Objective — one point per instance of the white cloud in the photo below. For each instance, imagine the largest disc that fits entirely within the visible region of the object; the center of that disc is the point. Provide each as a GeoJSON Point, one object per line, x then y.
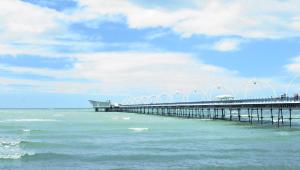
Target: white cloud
{"type": "Point", "coordinates": [20, 20]}
{"type": "Point", "coordinates": [146, 70]}
{"type": "Point", "coordinates": [62, 87]}
{"type": "Point", "coordinates": [30, 29]}
{"type": "Point", "coordinates": [136, 73]}
{"type": "Point", "coordinates": [251, 19]}
{"type": "Point", "coordinates": [296, 23]}
{"type": "Point", "coordinates": [37, 71]}
{"type": "Point", "coordinates": [227, 45]}
{"type": "Point", "coordinates": [40, 28]}
{"type": "Point", "coordinates": [126, 72]}
{"type": "Point", "coordinates": [294, 66]}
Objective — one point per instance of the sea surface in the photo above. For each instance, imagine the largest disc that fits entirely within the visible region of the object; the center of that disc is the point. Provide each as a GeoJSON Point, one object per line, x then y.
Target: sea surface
{"type": "Point", "coordinates": [83, 139]}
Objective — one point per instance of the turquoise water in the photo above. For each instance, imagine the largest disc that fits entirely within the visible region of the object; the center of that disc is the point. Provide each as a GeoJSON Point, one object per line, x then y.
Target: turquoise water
{"type": "Point", "coordinates": [83, 139]}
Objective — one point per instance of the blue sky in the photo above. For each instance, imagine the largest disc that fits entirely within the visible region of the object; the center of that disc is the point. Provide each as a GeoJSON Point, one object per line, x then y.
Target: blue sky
{"type": "Point", "coordinates": [57, 53]}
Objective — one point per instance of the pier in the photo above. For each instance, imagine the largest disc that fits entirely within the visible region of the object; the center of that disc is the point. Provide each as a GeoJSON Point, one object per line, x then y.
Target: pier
{"type": "Point", "coordinates": [268, 111]}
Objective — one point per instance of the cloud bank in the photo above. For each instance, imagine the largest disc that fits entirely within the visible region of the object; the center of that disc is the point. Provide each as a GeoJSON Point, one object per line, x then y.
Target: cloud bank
{"type": "Point", "coordinates": [28, 29]}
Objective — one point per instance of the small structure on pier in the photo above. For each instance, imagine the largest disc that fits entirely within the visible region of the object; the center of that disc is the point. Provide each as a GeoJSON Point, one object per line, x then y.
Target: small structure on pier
{"type": "Point", "coordinates": [100, 106]}
{"type": "Point", "coordinates": [225, 97]}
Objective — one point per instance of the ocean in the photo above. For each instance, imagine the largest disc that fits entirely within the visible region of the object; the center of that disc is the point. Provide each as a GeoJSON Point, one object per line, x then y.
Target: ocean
{"type": "Point", "coordinates": [83, 139]}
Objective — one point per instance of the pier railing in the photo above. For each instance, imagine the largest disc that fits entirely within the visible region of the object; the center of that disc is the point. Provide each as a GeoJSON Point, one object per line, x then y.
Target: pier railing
{"type": "Point", "coordinates": [279, 111]}
{"type": "Point", "coordinates": [222, 102]}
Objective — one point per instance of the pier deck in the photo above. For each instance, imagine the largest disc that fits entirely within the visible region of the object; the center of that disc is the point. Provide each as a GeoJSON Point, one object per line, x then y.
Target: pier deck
{"type": "Point", "coordinates": [273, 111]}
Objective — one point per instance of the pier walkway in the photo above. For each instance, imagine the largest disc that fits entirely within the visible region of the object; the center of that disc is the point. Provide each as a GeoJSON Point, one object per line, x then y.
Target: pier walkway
{"type": "Point", "coordinates": [273, 111]}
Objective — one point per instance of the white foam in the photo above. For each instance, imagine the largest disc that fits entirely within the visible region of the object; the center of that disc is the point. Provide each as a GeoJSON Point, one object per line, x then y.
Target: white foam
{"type": "Point", "coordinates": [26, 130]}
{"type": "Point", "coordinates": [126, 118]}
{"type": "Point", "coordinates": [204, 119]}
{"type": "Point", "coordinates": [9, 143]}
{"type": "Point", "coordinates": [138, 129]}
{"type": "Point", "coordinates": [11, 156]}
{"type": "Point", "coordinates": [10, 149]}
{"type": "Point", "coordinates": [17, 155]}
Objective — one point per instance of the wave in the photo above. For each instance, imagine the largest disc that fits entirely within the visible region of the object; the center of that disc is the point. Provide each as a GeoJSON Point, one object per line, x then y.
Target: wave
{"type": "Point", "coordinates": [11, 156]}
{"type": "Point", "coordinates": [47, 156]}
{"type": "Point", "coordinates": [9, 143]}
{"type": "Point", "coordinates": [40, 144]}
{"type": "Point", "coordinates": [35, 156]}
{"type": "Point", "coordinates": [138, 129]}
{"type": "Point", "coordinates": [126, 118]}
{"type": "Point", "coordinates": [10, 149]}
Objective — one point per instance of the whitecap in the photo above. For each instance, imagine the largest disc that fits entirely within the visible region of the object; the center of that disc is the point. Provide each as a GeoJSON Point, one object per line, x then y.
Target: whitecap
{"type": "Point", "coordinates": [11, 156]}
{"type": "Point", "coordinates": [15, 156]}
{"type": "Point", "coordinates": [138, 129]}
{"type": "Point", "coordinates": [26, 130]}
{"type": "Point", "coordinates": [204, 119]}
{"type": "Point", "coordinates": [9, 143]}
{"type": "Point", "coordinates": [10, 149]}
{"type": "Point", "coordinates": [126, 118]}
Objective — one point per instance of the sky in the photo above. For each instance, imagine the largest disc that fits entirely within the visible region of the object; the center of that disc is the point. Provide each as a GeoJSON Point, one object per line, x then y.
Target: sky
{"type": "Point", "coordinates": [56, 53]}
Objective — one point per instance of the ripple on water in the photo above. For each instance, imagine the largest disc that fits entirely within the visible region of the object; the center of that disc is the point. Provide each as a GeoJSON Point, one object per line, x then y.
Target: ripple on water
{"type": "Point", "coordinates": [29, 120]}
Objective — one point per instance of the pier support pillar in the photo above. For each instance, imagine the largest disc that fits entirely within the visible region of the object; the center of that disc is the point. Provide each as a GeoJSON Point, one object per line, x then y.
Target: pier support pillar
{"type": "Point", "coordinates": [261, 116]}
{"type": "Point", "coordinates": [290, 118]}
{"type": "Point", "coordinates": [239, 114]}
{"type": "Point", "coordinates": [272, 117]}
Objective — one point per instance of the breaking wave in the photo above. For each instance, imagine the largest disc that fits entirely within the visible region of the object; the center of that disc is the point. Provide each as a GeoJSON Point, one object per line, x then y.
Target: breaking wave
{"type": "Point", "coordinates": [138, 129]}
{"type": "Point", "coordinates": [10, 149]}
